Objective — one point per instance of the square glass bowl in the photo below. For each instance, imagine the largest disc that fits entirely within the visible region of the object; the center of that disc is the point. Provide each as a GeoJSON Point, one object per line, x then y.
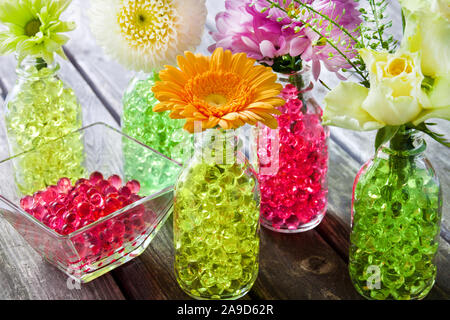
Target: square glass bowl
{"type": "Point", "coordinates": [111, 241]}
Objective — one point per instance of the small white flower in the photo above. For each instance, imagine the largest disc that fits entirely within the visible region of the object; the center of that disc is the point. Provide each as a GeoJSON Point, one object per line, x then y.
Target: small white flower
{"type": "Point", "coordinates": [145, 35]}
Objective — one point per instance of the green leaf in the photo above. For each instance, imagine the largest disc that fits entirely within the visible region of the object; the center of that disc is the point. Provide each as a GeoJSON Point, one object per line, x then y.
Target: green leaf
{"type": "Point", "coordinates": [384, 135]}
{"type": "Point", "coordinates": [436, 136]}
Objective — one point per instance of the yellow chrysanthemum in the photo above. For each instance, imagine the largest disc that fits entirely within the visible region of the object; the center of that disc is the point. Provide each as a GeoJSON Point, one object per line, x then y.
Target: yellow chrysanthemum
{"type": "Point", "coordinates": [144, 35]}
{"type": "Point", "coordinates": [223, 90]}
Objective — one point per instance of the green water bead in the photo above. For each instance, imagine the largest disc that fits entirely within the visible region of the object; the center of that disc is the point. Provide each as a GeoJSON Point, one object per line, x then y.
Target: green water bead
{"type": "Point", "coordinates": [154, 172]}
{"type": "Point", "coordinates": [216, 231]}
{"type": "Point", "coordinates": [395, 228]}
{"type": "Point", "coordinates": [154, 129]}
{"type": "Point", "coordinates": [42, 109]}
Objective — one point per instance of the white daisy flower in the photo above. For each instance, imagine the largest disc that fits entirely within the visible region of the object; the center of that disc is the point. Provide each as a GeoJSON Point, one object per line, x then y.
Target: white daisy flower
{"type": "Point", "coordinates": [145, 35]}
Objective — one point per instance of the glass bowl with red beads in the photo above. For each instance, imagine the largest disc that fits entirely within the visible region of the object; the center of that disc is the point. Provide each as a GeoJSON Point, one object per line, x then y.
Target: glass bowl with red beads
{"type": "Point", "coordinates": [87, 202]}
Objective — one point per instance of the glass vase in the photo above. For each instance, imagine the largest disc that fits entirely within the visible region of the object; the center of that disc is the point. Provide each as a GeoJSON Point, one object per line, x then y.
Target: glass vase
{"type": "Point", "coordinates": [293, 160]}
{"type": "Point", "coordinates": [216, 219]}
{"type": "Point", "coordinates": [154, 129]}
{"type": "Point", "coordinates": [41, 108]}
{"type": "Point", "coordinates": [396, 216]}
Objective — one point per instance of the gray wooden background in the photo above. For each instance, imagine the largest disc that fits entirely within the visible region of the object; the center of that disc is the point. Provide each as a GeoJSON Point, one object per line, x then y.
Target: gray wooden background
{"type": "Point", "coordinates": [306, 266]}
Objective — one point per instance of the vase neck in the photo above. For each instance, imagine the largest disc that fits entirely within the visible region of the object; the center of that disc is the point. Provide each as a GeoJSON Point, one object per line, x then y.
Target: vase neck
{"type": "Point", "coordinates": [36, 67]}
{"type": "Point", "coordinates": [300, 79]}
{"type": "Point", "coordinates": [217, 146]}
{"type": "Point", "coordinates": [405, 143]}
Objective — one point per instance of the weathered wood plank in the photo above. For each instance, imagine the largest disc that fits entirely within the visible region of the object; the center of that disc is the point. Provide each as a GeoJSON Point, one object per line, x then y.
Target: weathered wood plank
{"type": "Point", "coordinates": [23, 273]}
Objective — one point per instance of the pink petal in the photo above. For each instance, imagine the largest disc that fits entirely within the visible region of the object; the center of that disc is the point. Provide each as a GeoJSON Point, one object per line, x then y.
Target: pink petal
{"type": "Point", "coordinates": [267, 49]}
{"type": "Point", "coordinates": [316, 69]}
{"type": "Point", "coordinates": [298, 46]}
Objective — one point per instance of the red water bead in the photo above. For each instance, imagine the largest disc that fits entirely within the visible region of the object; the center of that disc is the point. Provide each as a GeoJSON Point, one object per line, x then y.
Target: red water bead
{"type": "Point", "coordinates": [106, 235]}
{"type": "Point", "coordinates": [71, 218]}
{"type": "Point", "coordinates": [134, 186]}
{"type": "Point", "coordinates": [134, 198]}
{"type": "Point", "coordinates": [97, 200]}
{"type": "Point", "coordinates": [115, 181]}
{"type": "Point", "coordinates": [102, 185]}
{"type": "Point", "coordinates": [124, 201]}
{"type": "Point", "coordinates": [39, 212]}
{"type": "Point", "coordinates": [118, 228]}
{"type": "Point", "coordinates": [112, 205]}
{"type": "Point", "coordinates": [137, 222]}
{"type": "Point", "coordinates": [95, 177]}
{"type": "Point", "coordinates": [79, 198]}
{"type": "Point", "coordinates": [55, 223]}
{"type": "Point", "coordinates": [111, 190]}
{"type": "Point", "coordinates": [50, 194]}
{"type": "Point", "coordinates": [27, 203]}
{"type": "Point", "coordinates": [82, 188]}
{"type": "Point", "coordinates": [125, 191]}
{"type": "Point", "coordinates": [64, 185]}
{"type": "Point", "coordinates": [91, 192]}
{"type": "Point", "coordinates": [38, 198]}
{"type": "Point", "coordinates": [84, 210]}
{"type": "Point", "coordinates": [82, 181]}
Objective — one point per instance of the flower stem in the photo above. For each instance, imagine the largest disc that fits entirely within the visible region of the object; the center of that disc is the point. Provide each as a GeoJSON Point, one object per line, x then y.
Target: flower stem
{"type": "Point", "coordinates": [40, 64]}
{"type": "Point", "coordinates": [373, 6]}
{"type": "Point", "coordinates": [328, 19]}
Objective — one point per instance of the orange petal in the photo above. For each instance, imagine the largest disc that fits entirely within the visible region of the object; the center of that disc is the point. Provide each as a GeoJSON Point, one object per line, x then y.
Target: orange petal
{"type": "Point", "coordinates": [231, 116]}
{"type": "Point", "coordinates": [160, 107]}
{"type": "Point", "coordinates": [224, 124]}
{"type": "Point", "coordinates": [271, 123]}
{"type": "Point", "coordinates": [189, 126]}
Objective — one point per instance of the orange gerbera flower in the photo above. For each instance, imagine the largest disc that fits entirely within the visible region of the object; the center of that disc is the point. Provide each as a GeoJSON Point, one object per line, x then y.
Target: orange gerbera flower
{"type": "Point", "coordinates": [223, 90]}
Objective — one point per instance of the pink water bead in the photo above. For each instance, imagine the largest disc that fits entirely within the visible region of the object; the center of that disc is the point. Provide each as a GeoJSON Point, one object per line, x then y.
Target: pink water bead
{"type": "Point", "coordinates": [115, 181]}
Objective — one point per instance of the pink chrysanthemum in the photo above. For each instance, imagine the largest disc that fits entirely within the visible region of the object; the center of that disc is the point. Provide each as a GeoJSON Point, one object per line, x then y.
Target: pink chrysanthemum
{"type": "Point", "coordinates": [265, 33]}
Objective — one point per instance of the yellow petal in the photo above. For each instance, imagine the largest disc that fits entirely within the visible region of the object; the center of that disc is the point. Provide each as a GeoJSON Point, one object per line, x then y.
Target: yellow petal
{"type": "Point", "coordinates": [343, 108]}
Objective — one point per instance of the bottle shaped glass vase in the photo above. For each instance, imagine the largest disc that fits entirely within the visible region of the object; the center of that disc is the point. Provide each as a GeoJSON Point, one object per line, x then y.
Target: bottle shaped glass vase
{"type": "Point", "coordinates": [396, 217]}
{"type": "Point", "coordinates": [216, 219]}
{"type": "Point", "coordinates": [42, 108]}
{"type": "Point", "coordinates": [293, 160]}
{"type": "Point", "coordinates": [154, 129]}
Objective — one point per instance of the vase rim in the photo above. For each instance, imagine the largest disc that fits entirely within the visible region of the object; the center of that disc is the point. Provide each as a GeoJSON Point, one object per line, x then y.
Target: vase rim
{"type": "Point", "coordinates": [414, 144]}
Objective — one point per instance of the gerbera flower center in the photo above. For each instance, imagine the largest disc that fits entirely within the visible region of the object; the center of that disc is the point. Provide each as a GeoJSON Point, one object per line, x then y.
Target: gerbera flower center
{"type": "Point", "coordinates": [32, 28]}
{"type": "Point", "coordinates": [147, 22]}
{"type": "Point", "coordinates": [216, 100]}
{"type": "Point", "coordinates": [217, 93]}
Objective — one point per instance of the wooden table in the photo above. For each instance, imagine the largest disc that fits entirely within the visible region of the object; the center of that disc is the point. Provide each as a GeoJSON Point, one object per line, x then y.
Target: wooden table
{"type": "Point", "coordinates": [310, 265]}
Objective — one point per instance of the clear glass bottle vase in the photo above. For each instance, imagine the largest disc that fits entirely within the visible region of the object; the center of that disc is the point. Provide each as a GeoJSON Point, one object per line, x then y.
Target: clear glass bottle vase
{"type": "Point", "coordinates": [293, 160]}
{"type": "Point", "coordinates": [154, 129]}
{"type": "Point", "coordinates": [396, 217]}
{"type": "Point", "coordinates": [41, 108]}
{"type": "Point", "coordinates": [216, 219]}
